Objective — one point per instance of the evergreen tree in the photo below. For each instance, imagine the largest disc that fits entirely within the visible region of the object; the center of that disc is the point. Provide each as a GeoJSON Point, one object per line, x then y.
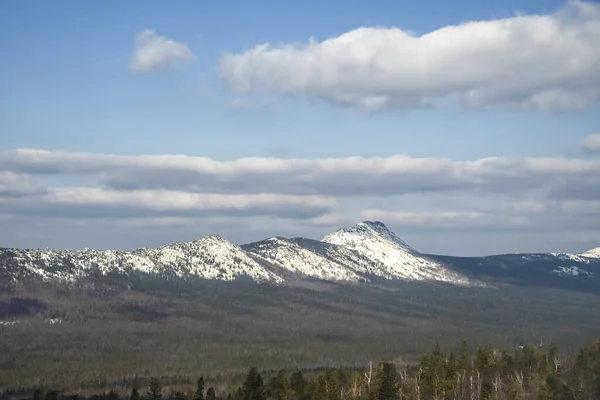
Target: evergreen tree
{"type": "Point", "coordinates": [486, 390]}
{"type": "Point", "coordinates": [52, 395]}
{"type": "Point", "coordinates": [210, 394]}
{"type": "Point", "coordinates": [278, 386]}
{"type": "Point", "coordinates": [112, 395]}
{"type": "Point", "coordinates": [298, 384]}
{"type": "Point", "coordinates": [431, 373]}
{"type": "Point", "coordinates": [238, 394]}
{"type": "Point", "coordinates": [464, 370]}
{"type": "Point", "coordinates": [135, 394]}
{"type": "Point", "coordinates": [199, 395]}
{"type": "Point", "coordinates": [179, 395]}
{"type": "Point", "coordinates": [388, 382]}
{"type": "Point", "coordinates": [464, 358]}
{"type": "Point", "coordinates": [253, 388]}
{"type": "Point", "coordinates": [154, 390]}
{"type": "Point", "coordinates": [450, 375]}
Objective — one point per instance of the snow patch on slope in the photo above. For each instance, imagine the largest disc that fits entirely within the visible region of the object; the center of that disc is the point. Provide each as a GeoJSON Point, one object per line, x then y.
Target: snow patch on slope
{"type": "Point", "coordinates": [300, 260]}
{"type": "Point", "coordinates": [572, 271]}
{"type": "Point", "coordinates": [594, 253]}
{"type": "Point", "coordinates": [394, 258]}
{"type": "Point", "coordinates": [210, 257]}
{"type": "Point", "coordinates": [572, 257]}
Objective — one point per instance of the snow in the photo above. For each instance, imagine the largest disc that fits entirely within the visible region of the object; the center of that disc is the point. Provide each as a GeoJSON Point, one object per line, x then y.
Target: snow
{"type": "Point", "coordinates": [572, 257]}
{"type": "Point", "coordinates": [594, 253]}
{"type": "Point", "coordinates": [572, 271]}
{"type": "Point", "coordinates": [297, 259]}
{"type": "Point", "coordinates": [210, 257]}
{"type": "Point", "coordinates": [394, 258]}
{"type": "Point", "coordinates": [358, 253]}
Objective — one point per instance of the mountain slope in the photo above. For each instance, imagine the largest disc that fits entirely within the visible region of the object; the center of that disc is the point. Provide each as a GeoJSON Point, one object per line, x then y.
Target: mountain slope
{"type": "Point", "coordinates": [558, 270]}
{"type": "Point", "coordinates": [365, 252]}
{"type": "Point", "coordinates": [296, 258]}
{"type": "Point", "coordinates": [210, 257]}
{"type": "Point", "coordinates": [593, 253]}
{"type": "Point", "coordinates": [394, 258]}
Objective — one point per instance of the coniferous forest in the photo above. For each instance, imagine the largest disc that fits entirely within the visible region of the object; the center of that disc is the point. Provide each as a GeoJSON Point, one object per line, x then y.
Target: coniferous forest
{"type": "Point", "coordinates": [529, 372]}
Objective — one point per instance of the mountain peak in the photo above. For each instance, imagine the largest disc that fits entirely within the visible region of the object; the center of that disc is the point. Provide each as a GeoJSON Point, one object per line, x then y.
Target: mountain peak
{"type": "Point", "coordinates": [373, 240]}
{"type": "Point", "coordinates": [374, 224]}
{"type": "Point", "coordinates": [593, 253]}
{"type": "Point", "coordinates": [373, 228]}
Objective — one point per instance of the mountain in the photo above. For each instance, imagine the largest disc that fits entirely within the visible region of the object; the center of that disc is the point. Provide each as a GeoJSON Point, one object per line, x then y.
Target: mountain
{"type": "Point", "coordinates": [559, 270]}
{"type": "Point", "coordinates": [594, 253]}
{"type": "Point", "coordinates": [393, 257]}
{"type": "Point", "coordinates": [311, 258]}
{"type": "Point", "coordinates": [209, 257]}
{"type": "Point", "coordinates": [365, 252]}
{"type": "Point", "coordinates": [360, 293]}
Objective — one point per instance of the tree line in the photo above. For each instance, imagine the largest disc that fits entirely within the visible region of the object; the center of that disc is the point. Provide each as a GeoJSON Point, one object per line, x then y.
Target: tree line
{"type": "Point", "coordinates": [486, 373]}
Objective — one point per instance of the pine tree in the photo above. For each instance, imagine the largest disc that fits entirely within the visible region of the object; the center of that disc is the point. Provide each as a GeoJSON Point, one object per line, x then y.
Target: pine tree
{"type": "Point", "coordinates": [278, 386]}
{"type": "Point", "coordinates": [210, 394]}
{"type": "Point", "coordinates": [464, 369]}
{"type": "Point", "coordinates": [388, 382]}
{"type": "Point", "coordinates": [253, 388]}
{"type": "Point", "coordinates": [155, 390]}
{"type": "Point", "coordinates": [450, 374]}
{"type": "Point", "coordinates": [486, 390]}
{"type": "Point", "coordinates": [112, 395]}
{"type": "Point", "coordinates": [179, 395]}
{"type": "Point", "coordinates": [298, 384]}
{"type": "Point", "coordinates": [464, 358]}
{"type": "Point", "coordinates": [52, 395]}
{"type": "Point", "coordinates": [135, 395]}
{"type": "Point", "coordinates": [199, 395]}
{"type": "Point", "coordinates": [431, 367]}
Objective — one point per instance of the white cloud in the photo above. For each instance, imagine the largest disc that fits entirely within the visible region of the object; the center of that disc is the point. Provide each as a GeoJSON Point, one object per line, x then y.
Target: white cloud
{"type": "Point", "coordinates": [592, 143]}
{"type": "Point", "coordinates": [421, 219]}
{"type": "Point", "coordinates": [493, 215]}
{"type": "Point", "coordinates": [538, 61]}
{"type": "Point", "coordinates": [99, 202]}
{"type": "Point", "coordinates": [350, 176]}
{"type": "Point", "coordinates": [258, 196]}
{"type": "Point", "coordinates": [15, 184]}
{"type": "Point", "coordinates": [153, 52]}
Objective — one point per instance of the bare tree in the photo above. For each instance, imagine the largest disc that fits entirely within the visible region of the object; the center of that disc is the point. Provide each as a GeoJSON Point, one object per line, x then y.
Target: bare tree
{"type": "Point", "coordinates": [369, 375]}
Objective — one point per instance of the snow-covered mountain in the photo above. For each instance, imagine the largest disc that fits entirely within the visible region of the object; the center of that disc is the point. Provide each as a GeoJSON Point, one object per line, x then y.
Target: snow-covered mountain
{"type": "Point", "coordinates": [366, 251]}
{"type": "Point", "coordinates": [392, 256]}
{"type": "Point", "coordinates": [593, 253]}
{"type": "Point", "coordinates": [210, 257]}
{"type": "Point", "coordinates": [315, 260]}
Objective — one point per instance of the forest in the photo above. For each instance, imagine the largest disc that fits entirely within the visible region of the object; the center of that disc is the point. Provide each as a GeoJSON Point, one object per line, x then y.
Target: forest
{"type": "Point", "coordinates": [83, 339]}
{"type": "Point", "coordinates": [528, 372]}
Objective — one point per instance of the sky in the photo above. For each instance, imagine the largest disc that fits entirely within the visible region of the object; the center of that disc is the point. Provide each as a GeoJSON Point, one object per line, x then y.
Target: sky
{"type": "Point", "coordinates": [467, 127]}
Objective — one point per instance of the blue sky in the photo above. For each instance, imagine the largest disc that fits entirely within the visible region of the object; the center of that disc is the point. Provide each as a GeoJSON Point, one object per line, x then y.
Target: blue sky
{"type": "Point", "coordinates": [68, 86]}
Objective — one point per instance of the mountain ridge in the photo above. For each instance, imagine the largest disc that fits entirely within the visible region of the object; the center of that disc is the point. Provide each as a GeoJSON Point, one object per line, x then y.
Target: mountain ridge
{"type": "Point", "coordinates": [364, 252]}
